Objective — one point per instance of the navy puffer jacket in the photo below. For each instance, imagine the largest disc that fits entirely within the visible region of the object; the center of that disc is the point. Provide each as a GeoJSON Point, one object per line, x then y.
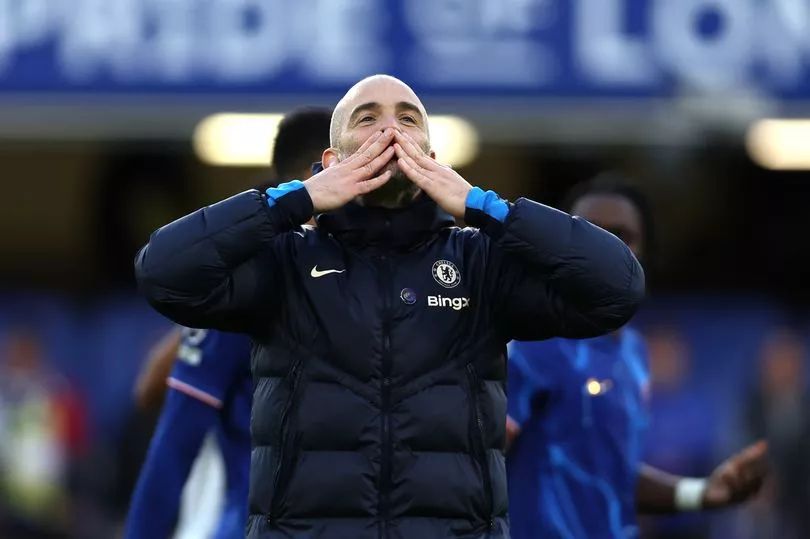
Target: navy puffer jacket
{"type": "Point", "coordinates": [379, 346]}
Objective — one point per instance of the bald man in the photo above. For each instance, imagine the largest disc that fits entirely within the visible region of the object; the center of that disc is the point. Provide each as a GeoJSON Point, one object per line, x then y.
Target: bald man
{"type": "Point", "coordinates": [379, 336]}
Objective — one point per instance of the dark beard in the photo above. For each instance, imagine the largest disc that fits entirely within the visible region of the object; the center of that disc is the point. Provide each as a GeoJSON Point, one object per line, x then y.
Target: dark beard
{"type": "Point", "coordinates": [397, 192]}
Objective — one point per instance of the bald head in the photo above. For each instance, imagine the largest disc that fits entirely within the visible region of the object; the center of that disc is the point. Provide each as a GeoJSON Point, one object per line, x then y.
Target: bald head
{"type": "Point", "coordinates": [379, 91]}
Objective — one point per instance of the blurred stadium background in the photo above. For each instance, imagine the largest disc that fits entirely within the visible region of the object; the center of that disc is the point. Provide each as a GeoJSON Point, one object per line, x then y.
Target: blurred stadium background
{"type": "Point", "coordinates": [117, 116]}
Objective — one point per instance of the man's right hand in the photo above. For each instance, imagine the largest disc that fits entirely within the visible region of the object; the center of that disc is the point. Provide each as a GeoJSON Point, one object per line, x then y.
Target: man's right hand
{"type": "Point", "coordinates": [342, 181]}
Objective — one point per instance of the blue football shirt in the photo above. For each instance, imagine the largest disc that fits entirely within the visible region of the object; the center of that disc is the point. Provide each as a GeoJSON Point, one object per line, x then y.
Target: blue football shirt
{"type": "Point", "coordinates": [214, 367]}
{"type": "Point", "coordinates": [581, 406]}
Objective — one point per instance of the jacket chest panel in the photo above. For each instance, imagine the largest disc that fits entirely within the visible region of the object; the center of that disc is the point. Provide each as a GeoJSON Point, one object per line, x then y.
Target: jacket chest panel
{"type": "Point", "coordinates": [410, 309]}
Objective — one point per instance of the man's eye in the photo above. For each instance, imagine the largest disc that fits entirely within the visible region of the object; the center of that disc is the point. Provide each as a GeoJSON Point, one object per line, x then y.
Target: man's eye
{"type": "Point", "coordinates": [408, 119]}
{"type": "Point", "coordinates": [366, 119]}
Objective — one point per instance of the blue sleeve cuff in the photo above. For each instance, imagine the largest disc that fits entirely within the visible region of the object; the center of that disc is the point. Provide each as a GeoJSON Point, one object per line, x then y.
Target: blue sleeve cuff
{"type": "Point", "coordinates": [275, 193]}
{"type": "Point", "coordinates": [489, 203]}
{"type": "Point", "coordinates": [289, 205]}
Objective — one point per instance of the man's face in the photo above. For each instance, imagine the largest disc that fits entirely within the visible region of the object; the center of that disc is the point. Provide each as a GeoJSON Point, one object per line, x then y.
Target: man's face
{"type": "Point", "coordinates": [374, 106]}
{"type": "Point", "coordinates": [615, 214]}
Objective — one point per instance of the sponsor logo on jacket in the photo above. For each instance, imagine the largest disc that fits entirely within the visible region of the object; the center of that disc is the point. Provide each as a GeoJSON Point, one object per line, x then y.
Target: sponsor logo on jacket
{"type": "Point", "coordinates": [454, 303]}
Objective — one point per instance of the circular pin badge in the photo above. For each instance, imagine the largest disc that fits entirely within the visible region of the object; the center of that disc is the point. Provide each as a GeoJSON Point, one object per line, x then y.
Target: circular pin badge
{"type": "Point", "coordinates": [408, 296]}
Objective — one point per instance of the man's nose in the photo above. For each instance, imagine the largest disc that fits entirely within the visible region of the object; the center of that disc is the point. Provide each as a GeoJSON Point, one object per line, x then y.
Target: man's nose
{"type": "Point", "coordinates": [389, 120]}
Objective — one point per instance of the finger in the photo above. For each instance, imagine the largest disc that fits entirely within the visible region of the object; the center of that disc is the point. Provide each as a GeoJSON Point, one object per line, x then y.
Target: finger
{"type": "Point", "coordinates": [748, 474]}
{"type": "Point", "coordinates": [759, 450]}
{"type": "Point", "coordinates": [372, 167]}
{"type": "Point", "coordinates": [403, 154]}
{"type": "Point", "coordinates": [408, 138]}
{"type": "Point", "coordinates": [758, 470]}
{"type": "Point", "coordinates": [414, 173]}
{"type": "Point", "coordinates": [755, 450]}
{"type": "Point", "coordinates": [730, 476]}
{"type": "Point", "coordinates": [761, 467]}
{"type": "Point", "coordinates": [414, 151]}
{"type": "Point", "coordinates": [747, 490]}
{"type": "Point", "coordinates": [753, 485]}
{"type": "Point", "coordinates": [752, 461]}
{"type": "Point", "coordinates": [374, 137]}
{"type": "Point", "coordinates": [422, 174]}
{"type": "Point", "coordinates": [378, 146]}
{"type": "Point", "coordinates": [400, 151]}
{"type": "Point", "coordinates": [756, 486]}
{"type": "Point", "coordinates": [757, 463]}
{"type": "Point", "coordinates": [368, 186]}
{"type": "Point", "coordinates": [409, 145]}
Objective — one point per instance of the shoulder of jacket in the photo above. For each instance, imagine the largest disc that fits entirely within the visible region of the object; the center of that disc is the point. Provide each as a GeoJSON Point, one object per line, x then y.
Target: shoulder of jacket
{"type": "Point", "coordinates": [469, 234]}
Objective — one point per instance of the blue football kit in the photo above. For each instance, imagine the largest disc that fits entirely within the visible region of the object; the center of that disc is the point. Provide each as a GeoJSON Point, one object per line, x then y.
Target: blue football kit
{"type": "Point", "coordinates": [581, 408]}
{"type": "Point", "coordinates": [210, 394]}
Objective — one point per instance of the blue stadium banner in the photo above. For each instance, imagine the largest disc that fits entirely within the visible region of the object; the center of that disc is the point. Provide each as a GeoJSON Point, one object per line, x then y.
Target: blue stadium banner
{"type": "Point", "coordinates": [548, 48]}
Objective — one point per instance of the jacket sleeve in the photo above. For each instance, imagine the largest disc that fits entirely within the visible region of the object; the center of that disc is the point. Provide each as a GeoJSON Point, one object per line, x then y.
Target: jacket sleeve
{"type": "Point", "coordinates": [220, 267]}
{"type": "Point", "coordinates": [550, 274]}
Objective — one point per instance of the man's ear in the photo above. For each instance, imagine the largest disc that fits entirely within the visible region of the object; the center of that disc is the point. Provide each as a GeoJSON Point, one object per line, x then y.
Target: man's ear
{"type": "Point", "coordinates": [329, 157]}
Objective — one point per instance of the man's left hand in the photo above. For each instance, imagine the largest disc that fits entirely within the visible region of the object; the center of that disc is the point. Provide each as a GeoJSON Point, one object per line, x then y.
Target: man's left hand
{"type": "Point", "coordinates": [441, 183]}
{"type": "Point", "coordinates": [738, 478]}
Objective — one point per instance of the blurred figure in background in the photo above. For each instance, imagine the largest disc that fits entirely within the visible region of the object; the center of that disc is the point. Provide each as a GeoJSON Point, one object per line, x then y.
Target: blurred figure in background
{"type": "Point", "coordinates": [300, 143]}
{"type": "Point", "coordinates": [204, 426]}
{"type": "Point", "coordinates": [577, 417]}
{"type": "Point", "coordinates": [202, 442]}
{"type": "Point", "coordinates": [779, 410]}
{"type": "Point", "coordinates": [42, 434]}
{"type": "Point", "coordinates": [681, 434]}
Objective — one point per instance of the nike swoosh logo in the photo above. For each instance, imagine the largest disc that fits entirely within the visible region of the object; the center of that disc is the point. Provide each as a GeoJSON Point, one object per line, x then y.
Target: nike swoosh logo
{"type": "Point", "coordinates": [320, 273]}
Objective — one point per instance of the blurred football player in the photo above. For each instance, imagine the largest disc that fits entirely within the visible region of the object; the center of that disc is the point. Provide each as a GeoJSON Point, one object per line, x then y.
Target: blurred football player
{"type": "Point", "coordinates": [577, 416]}
{"type": "Point", "coordinates": [202, 439]}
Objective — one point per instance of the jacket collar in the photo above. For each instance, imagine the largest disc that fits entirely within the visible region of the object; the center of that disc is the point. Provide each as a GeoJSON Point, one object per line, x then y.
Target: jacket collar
{"type": "Point", "coordinates": [398, 229]}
